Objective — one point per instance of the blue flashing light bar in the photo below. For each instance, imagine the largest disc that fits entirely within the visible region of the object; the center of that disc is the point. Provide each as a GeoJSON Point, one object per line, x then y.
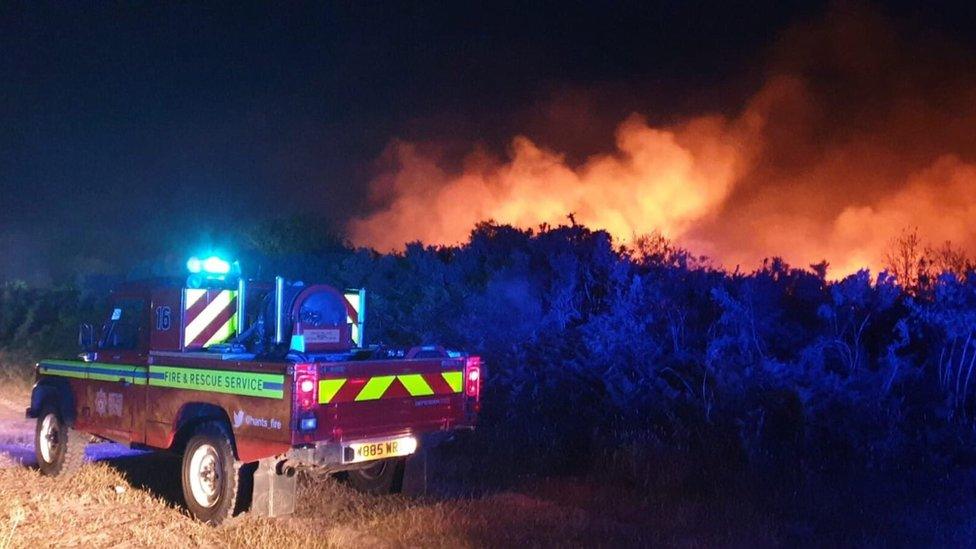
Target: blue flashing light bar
{"type": "Point", "coordinates": [210, 265]}
{"type": "Point", "coordinates": [214, 264]}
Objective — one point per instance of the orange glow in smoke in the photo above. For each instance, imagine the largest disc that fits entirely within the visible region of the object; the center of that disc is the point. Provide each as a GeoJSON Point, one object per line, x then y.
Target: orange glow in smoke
{"type": "Point", "coordinates": [666, 179]}
{"type": "Point", "coordinates": [803, 171]}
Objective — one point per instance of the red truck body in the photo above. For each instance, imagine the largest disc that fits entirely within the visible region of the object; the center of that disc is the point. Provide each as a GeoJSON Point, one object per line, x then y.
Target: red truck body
{"type": "Point", "coordinates": [160, 369]}
{"type": "Point", "coordinates": [151, 415]}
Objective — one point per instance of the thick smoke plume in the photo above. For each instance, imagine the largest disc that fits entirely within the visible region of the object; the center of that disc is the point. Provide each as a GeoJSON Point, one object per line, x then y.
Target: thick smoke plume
{"type": "Point", "coordinates": [861, 128]}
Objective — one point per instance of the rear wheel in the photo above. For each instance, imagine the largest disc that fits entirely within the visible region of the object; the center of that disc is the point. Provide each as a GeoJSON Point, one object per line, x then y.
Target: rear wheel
{"type": "Point", "coordinates": [59, 450]}
{"type": "Point", "coordinates": [382, 477]}
{"type": "Point", "coordinates": [210, 474]}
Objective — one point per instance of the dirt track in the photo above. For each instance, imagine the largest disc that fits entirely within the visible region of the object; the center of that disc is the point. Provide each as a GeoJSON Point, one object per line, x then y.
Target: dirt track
{"type": "Point", "coordinates": [16, 435]}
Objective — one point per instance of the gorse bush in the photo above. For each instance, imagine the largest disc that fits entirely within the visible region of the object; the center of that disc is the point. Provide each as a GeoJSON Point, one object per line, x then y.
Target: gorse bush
{"type": "Point", "coordinates": [43, 320]}
{"type": "Point", "coordinates": [593, 348]}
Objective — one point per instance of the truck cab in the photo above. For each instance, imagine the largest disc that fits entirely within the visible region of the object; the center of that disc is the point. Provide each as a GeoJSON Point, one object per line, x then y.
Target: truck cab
{"type": "Point", "coordinates": [245, 377]}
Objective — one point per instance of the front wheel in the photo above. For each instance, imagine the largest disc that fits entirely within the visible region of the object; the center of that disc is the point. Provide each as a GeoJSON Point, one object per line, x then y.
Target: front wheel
{"type": "Point", "coordinates": [382, 477]}
{"type": "Point", "coordinates": [210, 474]}
{"type": "Point", "coordinates": [58, 449]}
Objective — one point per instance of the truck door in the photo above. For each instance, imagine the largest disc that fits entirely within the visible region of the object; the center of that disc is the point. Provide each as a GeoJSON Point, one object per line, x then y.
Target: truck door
{"type": "Point", "coordinates": [117, 380]}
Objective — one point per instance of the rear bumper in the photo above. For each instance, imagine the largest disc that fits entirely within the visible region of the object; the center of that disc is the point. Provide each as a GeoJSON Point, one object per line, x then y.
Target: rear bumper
{"type": "Point", "coordinates": [335, 455]}
{"type": "Point", "coordinates": [322, 454]}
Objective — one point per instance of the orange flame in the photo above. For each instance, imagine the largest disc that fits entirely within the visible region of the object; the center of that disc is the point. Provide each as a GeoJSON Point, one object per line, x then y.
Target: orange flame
{"type": "Point", "coordinates": [665, 179]}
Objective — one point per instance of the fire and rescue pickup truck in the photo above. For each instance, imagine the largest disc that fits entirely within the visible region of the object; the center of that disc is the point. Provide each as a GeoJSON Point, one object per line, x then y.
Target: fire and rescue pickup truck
{"type": "Point", "coordinates": [250, 381]}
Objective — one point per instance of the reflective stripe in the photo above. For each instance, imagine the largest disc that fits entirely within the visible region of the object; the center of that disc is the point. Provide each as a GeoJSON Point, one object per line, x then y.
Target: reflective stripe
{"type": "Point", "coordinates": [416, 385]}
{"type": "Point", "coordinates": [218, 381]}
{"type": "Point", "coordinates": [328, 389]}
{"type": "Point", "coordinates": [255, 383]}
{"type": "Point", "coordinates": [375, 388]}
{"type": "Point", "coordinates": [136, 376]}
{"type": "Point", "coordinates": [98, 371]}
{"type": "Point", "coordinates": [453, 379]}
{"type": "Point", "coordinates": [213, 323]}
{"type": "Point", "coordinates": [225, 332]}
{"type": "Point", "coordinates": [64, 369]}
{"type": "Point", "coordinates": [335, 390]}
{"type": "Point", "coordinates": [355, 316]}
{"type": "Point", "coordinates": [195, 379]}
{"type": "Point", "coordinates": [193, 295]}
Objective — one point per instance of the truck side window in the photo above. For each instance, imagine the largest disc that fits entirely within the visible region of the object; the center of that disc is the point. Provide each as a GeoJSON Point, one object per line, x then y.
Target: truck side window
{"type": "Point", "coordinates": [125, 324]}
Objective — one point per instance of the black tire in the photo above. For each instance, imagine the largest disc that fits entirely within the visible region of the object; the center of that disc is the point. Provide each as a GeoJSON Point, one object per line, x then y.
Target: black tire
{"type": "Point", "coordinates": [383, 477]}
{"type": "Point", "coordinates": [59, 449]}
{"type": "Point", "coordinates": [210, 474]}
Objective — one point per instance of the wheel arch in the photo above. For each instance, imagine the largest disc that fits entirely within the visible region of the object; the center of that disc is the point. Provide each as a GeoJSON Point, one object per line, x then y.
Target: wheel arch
{"type": "Point", "coordinates": [246, 448]}
{"type": "Point", "coordinates": [193, 414]}
{"type": "Point", "coordinates": [56, 392]}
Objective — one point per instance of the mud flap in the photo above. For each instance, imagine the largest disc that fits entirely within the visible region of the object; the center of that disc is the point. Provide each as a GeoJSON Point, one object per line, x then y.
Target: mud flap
{"type": "Point", "coordinates": [274, 492]}
{"type": "Point", "coordinates": [414, 482]}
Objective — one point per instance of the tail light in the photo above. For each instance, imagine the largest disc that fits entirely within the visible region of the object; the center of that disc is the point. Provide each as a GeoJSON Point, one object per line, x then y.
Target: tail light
{"type": "Point", "coordinates": [306, 396]}
{"type": "Point", "coordinates": [472, 377]}
{"type": "Point", "coordinates": [306, 386]}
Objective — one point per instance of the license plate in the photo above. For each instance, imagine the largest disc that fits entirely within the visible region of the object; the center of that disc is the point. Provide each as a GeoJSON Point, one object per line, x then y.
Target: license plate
{"type": "Point", "coordinates": [379, 449]}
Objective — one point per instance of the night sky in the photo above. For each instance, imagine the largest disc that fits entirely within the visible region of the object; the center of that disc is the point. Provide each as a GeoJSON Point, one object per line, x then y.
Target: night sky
{"type": "Point", "coordinates": [131, 129]}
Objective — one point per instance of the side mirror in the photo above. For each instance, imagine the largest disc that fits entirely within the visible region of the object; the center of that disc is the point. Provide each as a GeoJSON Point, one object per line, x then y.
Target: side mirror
{"type": "Point", "coordinates": [86, 337]}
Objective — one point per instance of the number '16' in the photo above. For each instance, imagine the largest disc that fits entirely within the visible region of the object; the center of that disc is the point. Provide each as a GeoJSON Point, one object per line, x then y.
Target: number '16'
{"type": "Point", "coordinates": [163, 319]}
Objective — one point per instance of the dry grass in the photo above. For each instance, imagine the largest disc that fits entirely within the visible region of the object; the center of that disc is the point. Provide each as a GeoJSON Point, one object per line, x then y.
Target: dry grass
{"type": "Point", "coordinates": [99, 506]}
{"type": "Point", "coordinates": [16, 374]}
